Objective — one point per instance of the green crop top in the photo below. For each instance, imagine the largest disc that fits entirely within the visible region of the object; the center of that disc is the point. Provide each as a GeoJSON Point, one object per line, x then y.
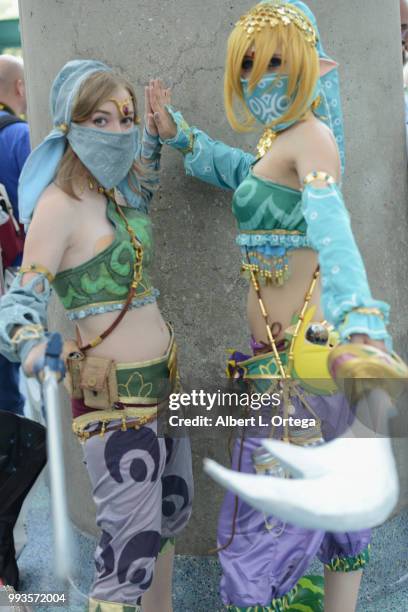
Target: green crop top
{"type": "Point", "coordinates": [270, 223]}
{"type": "Point", "coordinates": [102, 283]}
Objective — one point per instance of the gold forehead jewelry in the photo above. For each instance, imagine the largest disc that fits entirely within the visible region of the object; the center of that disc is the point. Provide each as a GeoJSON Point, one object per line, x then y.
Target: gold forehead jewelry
{"type": "Point", "coordinates": [124, 106]}
{"type": "Point", "coordinates": [273, 14]}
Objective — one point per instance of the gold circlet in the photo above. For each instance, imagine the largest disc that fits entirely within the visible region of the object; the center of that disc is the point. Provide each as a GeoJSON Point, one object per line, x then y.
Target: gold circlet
{"type": "Point", "coordinates": [272, 15]}
{"type": "Point", "coordinates": [124, 107]}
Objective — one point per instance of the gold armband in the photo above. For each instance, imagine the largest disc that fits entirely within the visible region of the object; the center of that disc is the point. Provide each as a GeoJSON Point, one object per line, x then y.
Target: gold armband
{"type": "Point", "coordinates": [38, 270]}
{"type": "Point", "coordinates": [319, 176]}
{"type": "Point", "coordinates": [28, 332]}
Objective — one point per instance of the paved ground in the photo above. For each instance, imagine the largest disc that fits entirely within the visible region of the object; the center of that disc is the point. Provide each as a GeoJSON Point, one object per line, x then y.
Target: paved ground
{"type": "Point", "coordinates": [384, 589]}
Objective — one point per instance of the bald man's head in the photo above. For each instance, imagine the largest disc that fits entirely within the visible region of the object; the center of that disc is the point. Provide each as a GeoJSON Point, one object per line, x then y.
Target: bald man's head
{"type": "Point", "coordinates": [12, 88]}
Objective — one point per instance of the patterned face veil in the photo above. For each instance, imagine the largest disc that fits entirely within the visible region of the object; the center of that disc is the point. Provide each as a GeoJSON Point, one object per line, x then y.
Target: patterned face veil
{"type": "Point", "coordinates": [41, 166]}
{"type": "Point", "coordinates": [328, 109]}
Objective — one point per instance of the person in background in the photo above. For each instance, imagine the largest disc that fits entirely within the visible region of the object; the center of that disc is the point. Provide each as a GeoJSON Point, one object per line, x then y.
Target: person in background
{"type": "Point", "coordinates": [22, 441]}
{"type": "Point", "coordinates": [404, 42]}
{"type": "Point", "coordinates": [14, 150]}
{"type": "Point", "coordinates": [404, 29]}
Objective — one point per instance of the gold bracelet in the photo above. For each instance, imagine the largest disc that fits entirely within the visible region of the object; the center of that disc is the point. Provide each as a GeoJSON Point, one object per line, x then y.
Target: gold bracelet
{"type": "Point", "coordinates": [28, 332]}
{"type": "Point", "coordinates": [318, 176]}
{"type": "Point", "coordinates": [37, 269]}
{"type": "Point", "coordinates": [190, 146]}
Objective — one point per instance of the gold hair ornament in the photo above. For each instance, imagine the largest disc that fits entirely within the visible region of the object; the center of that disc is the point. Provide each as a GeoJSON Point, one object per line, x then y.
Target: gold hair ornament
{"type": "Point", "coordinates": [64, 127]}
{"type": "Point", "coordinates": [272, 15]}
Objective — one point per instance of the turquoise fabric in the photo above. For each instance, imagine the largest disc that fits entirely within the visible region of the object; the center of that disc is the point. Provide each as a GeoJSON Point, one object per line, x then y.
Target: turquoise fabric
{"type": "Point", "coordinates": [260, 204]}
{"type": "Point", "coordinates": [269, 100]}
{"type": "Point", "coordinates": [211, 161]}
{"type": "Point", "coordinates": [344, 280]}
{"type": "Point", "coordinates": [262, 210]}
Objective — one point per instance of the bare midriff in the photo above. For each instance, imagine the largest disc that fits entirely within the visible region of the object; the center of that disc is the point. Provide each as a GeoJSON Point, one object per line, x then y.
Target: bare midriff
{"type": "Point", "coordinates": [283, 302]}
{"type": "Point", "coordinates": [141, 335]}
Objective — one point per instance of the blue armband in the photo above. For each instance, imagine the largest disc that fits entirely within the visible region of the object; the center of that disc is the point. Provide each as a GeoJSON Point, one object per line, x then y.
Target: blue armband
{"type": "Point", "coordinates": [23, 317]}
{"type": "Point", "coordinates": [151, 148]}
{"type": "Point", "coordinates": [346, 298]}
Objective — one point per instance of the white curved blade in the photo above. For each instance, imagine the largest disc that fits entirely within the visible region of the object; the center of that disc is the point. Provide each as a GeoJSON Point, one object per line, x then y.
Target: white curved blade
{"type": "Point", "coordinates": [356, 488]}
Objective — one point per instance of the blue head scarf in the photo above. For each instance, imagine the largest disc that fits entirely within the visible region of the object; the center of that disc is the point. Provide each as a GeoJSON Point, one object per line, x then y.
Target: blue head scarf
{"type": "Point", "coordinates": [42, 164]}
{"type": "Point", "coordinates": [329, 109]}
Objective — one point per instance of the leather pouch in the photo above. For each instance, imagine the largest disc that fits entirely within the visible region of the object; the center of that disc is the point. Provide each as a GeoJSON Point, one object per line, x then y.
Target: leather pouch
{"type": "Point", "coordinates": [98, 383]}
{"type": "Point", "coordinates": [74, 360]}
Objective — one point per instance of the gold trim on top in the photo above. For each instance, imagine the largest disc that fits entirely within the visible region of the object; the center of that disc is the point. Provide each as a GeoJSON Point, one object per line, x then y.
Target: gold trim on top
{"type": "Point", "coordinates": [139, 399]}
{"type": "Point", "coordinates": [368, 311]}
{"type": "Point", "coordinates": [274, 231]}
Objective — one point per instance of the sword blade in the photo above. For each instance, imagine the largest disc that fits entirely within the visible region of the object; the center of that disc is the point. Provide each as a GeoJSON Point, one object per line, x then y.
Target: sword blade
{"type": "Point", "coordinates": [61, 523]}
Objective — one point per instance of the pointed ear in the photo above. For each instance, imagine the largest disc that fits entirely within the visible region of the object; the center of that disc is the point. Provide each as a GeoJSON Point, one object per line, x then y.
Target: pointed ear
{"type": "Point", "coordinates": [326, 65]}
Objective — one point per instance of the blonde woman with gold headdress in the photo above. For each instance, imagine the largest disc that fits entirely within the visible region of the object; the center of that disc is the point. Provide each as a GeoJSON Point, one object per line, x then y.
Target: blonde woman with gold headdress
{"type": "Point", "coordinates": [308, 290]}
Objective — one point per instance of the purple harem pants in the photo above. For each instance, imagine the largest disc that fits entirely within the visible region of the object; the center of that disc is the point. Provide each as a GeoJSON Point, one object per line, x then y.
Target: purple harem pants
{"type": "Point", "coordinates": [267, 557]}
{"type": "Point", "coordinates": [142, 489]}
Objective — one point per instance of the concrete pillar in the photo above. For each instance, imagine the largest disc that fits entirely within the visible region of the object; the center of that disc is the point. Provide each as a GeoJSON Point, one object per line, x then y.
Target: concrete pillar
{"type": "Point", "coordinates": [197, 261]}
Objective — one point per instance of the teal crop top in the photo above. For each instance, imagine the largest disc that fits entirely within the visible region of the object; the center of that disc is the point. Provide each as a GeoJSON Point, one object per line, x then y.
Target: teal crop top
{"type": "Point", "coordinates": [270, 223]}
{"type": "Point", "coordinates": [102, 283]}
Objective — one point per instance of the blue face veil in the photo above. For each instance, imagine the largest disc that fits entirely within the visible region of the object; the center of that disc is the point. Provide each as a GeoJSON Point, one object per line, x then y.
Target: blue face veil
{"type": "Point", "coordinates": [329, 110]}
{"type": "Point", "coordinates": [41, 166]}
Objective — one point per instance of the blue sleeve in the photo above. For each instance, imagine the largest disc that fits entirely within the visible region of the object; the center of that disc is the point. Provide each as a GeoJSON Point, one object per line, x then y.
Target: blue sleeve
{"type": "Point", "coordinates": [21, 146]}
{"type": "Point", "coordinates": [23, 306]}
{"type": "Point", "coordinates": [346, 298]}
{"type": "Point", "coordinates": [210, 160]}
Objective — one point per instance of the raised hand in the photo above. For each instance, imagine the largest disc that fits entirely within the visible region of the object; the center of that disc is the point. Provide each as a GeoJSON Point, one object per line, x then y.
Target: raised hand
{"type": "Point", "coordinates": [149, 119]}
{"type": "Point", "coordinates": [159, 97]}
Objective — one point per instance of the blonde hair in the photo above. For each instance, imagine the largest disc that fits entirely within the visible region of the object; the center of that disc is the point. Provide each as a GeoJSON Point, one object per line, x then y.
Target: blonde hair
{"type": "Point", "coordinates": [300, 61]}
{"type": "Point", "coordinates": [93, 92]}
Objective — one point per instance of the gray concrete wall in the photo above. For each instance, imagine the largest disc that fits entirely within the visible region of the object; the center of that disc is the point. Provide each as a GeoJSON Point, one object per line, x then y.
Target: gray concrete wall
{"type": "Point", "coordinates": [197, 262]}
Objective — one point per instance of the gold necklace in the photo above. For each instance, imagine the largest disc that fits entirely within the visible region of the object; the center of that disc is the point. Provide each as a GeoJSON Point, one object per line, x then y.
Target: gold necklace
{"type": "Point", "coordinates": [266, 141]}
{"type": "Point", "coordinates": [269, 135]}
